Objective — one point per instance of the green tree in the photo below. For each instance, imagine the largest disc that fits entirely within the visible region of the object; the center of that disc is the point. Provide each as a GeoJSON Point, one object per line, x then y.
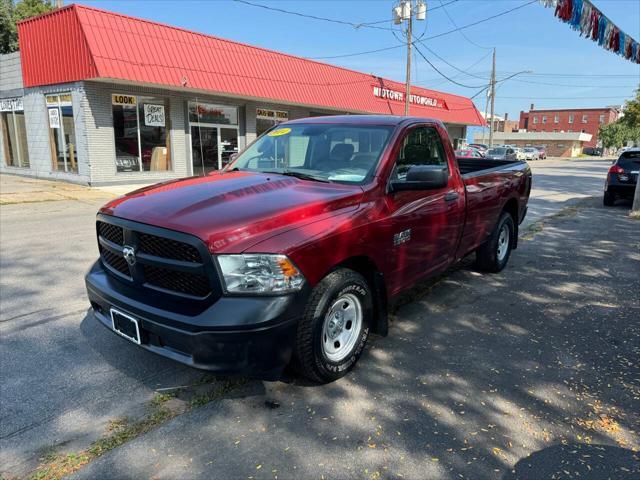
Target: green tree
{"type": "Point", "coordinates": [626, 129]}
{"type": "Point", "coordinates": [11, 14]}
{"type": "Point", "coordinates": [8, 36]}
{"type": "Point", "coordinates": [631, 116]}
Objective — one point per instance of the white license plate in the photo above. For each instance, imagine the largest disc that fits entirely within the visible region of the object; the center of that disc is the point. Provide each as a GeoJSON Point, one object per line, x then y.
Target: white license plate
{"type": "Point", "coordinates": [125, 325]}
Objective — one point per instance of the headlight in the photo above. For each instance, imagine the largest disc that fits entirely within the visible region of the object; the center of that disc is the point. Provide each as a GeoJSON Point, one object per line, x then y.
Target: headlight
{"type": "Point", "coordinates": [259, 273]}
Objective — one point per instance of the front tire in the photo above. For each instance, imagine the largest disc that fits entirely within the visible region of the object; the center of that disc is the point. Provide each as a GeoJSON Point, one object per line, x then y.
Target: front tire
{"type": "Point", "coordinates": [334, 329]}
{"type": "Point", "coordinates": [493, 255]}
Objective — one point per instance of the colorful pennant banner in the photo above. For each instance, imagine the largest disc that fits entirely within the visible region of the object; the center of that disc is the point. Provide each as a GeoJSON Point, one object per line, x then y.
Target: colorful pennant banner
{"type": "Point", "coordinates": [583, 16]}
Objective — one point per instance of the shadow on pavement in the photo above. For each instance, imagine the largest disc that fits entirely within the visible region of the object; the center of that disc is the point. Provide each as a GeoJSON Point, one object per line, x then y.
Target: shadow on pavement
{"type": "Point", "coordinates": [576, 460]}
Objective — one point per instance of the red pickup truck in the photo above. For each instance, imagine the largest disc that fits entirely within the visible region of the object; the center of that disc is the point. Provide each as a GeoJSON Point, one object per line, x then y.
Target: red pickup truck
{"type": "Point", "coordinates": [293, 252]}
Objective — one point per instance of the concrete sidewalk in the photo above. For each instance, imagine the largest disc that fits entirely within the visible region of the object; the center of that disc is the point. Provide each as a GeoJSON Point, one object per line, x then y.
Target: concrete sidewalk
{"type": "Point", "coordinates": [521, 375]}
{"type": "Point", "coordinates": [17, 189]}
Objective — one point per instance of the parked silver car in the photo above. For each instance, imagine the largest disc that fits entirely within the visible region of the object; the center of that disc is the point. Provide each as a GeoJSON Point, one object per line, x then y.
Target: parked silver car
{"type": "Point", "coordinates": [531, 153]}
{"type": "Point", "coordinates": [501, 153]}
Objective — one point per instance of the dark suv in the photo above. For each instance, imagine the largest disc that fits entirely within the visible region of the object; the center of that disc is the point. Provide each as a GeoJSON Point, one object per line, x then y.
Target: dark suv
{"type": "Point", "coordinates": [622, 177]}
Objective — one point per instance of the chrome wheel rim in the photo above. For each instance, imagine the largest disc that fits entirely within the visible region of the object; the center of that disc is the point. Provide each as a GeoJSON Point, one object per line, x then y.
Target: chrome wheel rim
{"type": "Point", "coordinates": [503, 242]}
{"type": "Point", "coordinates": [341, 328]}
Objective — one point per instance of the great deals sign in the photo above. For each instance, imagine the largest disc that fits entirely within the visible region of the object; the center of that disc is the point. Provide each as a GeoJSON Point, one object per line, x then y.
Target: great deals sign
{"type": "Point", "coordinates": [153, 115]}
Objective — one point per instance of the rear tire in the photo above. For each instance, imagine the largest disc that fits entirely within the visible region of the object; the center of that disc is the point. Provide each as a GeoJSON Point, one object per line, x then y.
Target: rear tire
{"type": "Point", "coordinates": [335, 326]}
{"type": "Point", "coordinates": [609, 199]}
{"type": "Point", "coordinates": [493, 255]}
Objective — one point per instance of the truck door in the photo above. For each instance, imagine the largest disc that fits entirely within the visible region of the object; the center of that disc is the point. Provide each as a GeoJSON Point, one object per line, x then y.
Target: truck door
{"type": "Point", "coordinates": [425, 224]}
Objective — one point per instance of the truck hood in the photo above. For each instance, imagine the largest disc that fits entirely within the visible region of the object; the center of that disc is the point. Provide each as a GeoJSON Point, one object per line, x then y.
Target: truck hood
{"type": "Point", "coordinates": [232, 211]}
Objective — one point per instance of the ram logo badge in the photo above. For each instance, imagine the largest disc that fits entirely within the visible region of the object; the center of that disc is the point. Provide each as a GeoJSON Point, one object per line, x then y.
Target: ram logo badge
{"type": "Point", "coordinates": [129, 255]}
{"type": "Point", "coordinates": [402, 237]}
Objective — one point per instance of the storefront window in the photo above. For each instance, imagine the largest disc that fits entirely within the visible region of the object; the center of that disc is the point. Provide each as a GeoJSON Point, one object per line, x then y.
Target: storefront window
{"type": "Point", "coordinates": [62, 133]}
{"type": "Point", "coordinates": [140, 129]}
{"type": "Point", "coordinates": [265, 119]}
{"type": "Point", "coordinates": [14, 134]}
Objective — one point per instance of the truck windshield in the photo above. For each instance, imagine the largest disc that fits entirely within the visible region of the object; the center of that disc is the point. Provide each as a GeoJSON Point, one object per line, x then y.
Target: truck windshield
{"type": "Point", "coordinates": [326, 152]}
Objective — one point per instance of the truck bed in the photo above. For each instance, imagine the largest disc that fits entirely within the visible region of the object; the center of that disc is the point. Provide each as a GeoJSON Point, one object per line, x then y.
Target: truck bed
{"type": "Point", "coordinates": [478, 166]}
{"type": "Point", "coordinates": [487, 183]}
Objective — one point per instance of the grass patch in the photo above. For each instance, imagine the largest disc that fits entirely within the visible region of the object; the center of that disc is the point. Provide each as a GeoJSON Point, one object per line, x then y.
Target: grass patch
{"type": "Point", "coordinates": [60, 466]}
{"type": "Point", "coordinates": [129, 432]}
{"type": "Point", "coordinates": [532, 230]}
{"type": "Point", "coordinates": [162, 398]}
{"type": "Point", "coordinates": [635, 215]}
{"type": "Point", "coordinates": [17, 202]}
{"type": "Point", "coordinates": [204, 398]}
{"type": "Point", "coordinates": [121, 430]}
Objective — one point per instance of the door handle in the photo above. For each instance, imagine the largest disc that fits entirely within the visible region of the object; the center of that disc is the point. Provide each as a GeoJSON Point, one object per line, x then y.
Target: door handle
{"type": "Point", "coordinates": [451, 196]}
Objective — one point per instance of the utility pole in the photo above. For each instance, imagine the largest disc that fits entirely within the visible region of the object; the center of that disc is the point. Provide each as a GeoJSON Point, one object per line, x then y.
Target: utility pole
{"type": "Point", "coordinates": [635, 207]}
{"type": "Point", "coordinates": [407, 94]}
{"type": "Point", "coordinates": [493, 97]}
{"type": "Point", "coordinates": [486, 109]}
{"type": "Point", "coordinates": [59, 4]}
{"type": "Point", "coordinates": [404, 11]}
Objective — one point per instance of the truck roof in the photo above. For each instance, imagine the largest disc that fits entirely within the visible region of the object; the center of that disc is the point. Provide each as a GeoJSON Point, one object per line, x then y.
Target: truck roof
{"type": "Point", "coordinates": [365, 119]}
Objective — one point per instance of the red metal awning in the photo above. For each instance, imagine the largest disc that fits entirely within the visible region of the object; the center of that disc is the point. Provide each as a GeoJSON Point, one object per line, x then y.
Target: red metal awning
{"type": "Point", "coordinates": [82, 43]}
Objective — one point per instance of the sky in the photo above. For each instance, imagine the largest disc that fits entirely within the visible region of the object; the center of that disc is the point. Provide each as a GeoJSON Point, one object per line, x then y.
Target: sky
{"type": "Point", "coordinates": [568, 71]}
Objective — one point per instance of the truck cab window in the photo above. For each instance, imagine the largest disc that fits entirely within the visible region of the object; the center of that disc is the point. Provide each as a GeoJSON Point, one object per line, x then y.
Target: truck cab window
{"type": "Point", "coordinates": [421, 146]}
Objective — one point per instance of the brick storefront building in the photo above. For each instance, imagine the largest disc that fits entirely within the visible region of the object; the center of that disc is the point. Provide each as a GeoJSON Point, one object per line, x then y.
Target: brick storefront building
{"type": "Point", "coordinates": [585, 120]}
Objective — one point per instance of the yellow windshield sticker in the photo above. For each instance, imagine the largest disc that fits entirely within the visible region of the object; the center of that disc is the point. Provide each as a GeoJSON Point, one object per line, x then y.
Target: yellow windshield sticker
{"type": "Point", "coordinates": [278, 132]}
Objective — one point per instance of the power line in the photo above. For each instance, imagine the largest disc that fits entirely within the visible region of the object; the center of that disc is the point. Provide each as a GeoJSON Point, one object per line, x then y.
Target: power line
{"type": "Point", "coordinates": [460, 31]}
{"type": "Point", "coordinates": [483, 20]}
{"type": "Point", "coordinates": [561, 98]}
{"type": "Point", "coordinates": [459, 74]}
{"type": "Point", "coordinates": [442, 74]}
{"type": "Point", "coordinates": [540, 74]}
{"type": "Point", "coordinates": [578, 75]}
{"type": "Point", "coordinates": [431, 37]}
{"type": "Point", "coordinates": [453, 66]}
{"type": "Point", "coordinates": [314, 17]}
{"type": "Point", "coordinates": [575, 85]}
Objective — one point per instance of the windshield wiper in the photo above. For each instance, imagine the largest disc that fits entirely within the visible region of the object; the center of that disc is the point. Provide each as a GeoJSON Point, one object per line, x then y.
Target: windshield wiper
{"type": "Point", "coordinates": [300, 175]}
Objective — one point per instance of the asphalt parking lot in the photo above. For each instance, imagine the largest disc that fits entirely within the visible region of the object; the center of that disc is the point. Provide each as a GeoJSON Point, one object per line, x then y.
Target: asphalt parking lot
{"type": "Point", "coordinates": [482, 376]}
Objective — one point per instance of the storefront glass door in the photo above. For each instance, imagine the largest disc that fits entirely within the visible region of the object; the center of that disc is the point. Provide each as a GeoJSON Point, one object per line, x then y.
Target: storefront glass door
{"type": "Point", "coordinates": [212, 147]}
{"type": "Point", "coordinates": [204, 149]}
{"type": "Point", "coordinates": [228, 144]}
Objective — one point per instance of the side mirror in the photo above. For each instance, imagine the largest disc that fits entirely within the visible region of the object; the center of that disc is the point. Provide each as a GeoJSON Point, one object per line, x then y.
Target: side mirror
{"type": "Point", "coordinates": [423, 177]}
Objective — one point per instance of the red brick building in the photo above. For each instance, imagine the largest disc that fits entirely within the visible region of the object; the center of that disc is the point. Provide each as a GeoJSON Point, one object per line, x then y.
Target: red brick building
{"type": "Point", "coordinates": [585, 120]}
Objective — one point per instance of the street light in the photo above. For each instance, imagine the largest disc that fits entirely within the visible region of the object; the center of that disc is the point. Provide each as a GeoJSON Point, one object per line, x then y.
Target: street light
{"type": "Point", "coordinates": [491, 93]}
{"type": "Point", "coordinates": [403, 11]}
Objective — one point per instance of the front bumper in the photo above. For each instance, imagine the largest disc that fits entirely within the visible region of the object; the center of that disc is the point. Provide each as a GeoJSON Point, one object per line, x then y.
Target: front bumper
{"type": "Point", "coordinates": [250, 335]}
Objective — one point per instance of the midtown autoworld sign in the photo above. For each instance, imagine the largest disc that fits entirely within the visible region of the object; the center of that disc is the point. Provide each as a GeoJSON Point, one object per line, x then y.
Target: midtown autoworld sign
{"type": "Point", "coordinates": [424, 101]}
